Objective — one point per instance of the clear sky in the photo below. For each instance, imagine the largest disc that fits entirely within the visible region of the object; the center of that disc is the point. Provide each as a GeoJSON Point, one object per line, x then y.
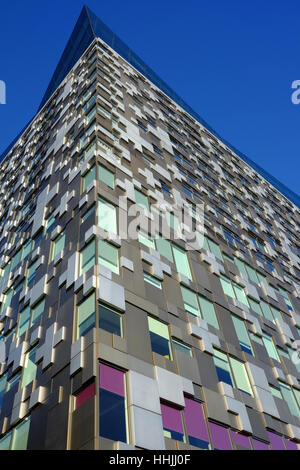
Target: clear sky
{"type": "Point", "coordinates": [233, 61]}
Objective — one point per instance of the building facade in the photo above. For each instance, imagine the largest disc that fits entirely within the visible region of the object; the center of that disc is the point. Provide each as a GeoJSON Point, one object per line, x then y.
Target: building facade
{"type": "Point", "coordinates": [110, 341]}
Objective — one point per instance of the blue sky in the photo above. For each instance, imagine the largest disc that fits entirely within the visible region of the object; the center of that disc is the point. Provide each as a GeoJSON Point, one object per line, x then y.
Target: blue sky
{"type": "Point", "coordinates": [232, 61]}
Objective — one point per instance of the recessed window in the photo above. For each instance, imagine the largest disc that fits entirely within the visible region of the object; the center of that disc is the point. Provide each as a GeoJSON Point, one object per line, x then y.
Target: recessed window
{"type": "Point", "coordinates": [184, 348]}
{"type": "Point", "coordinates": [106, 176]}
{"type": "Point", "coordinates": [172, 422]}
{"type": "Point", "coordinates": [88, 178]}
{"type": "Point", "coordinates": [108, 256]}
{"type": "Point", "coordinates": [181, 261]}
{"type": "Point", "coordinates": [107, 216]}
{"type": "Point", "coordinates": [58, 245]}
{"type": "Point", "coordinates": [160, 338]}
{"type": "Point", "coordinates": [85, 394]}
{"type": "Point", "coordinates": [87, 257]}
{"type": "Point", "coordinates": [110, 320]}
{"type": "Point", "coordinates": [152, 280]}
{"type": "Point", "coordinates": [86, 315]}
{"type": "Point", "coordinates": [242, 334]}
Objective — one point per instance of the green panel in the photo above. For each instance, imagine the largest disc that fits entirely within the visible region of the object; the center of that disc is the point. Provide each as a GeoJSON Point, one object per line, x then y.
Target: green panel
{"type": "Point", "coordinates": [255, 306]}
{"type": "Point", "coordinates": [29, 373]}
{"type": "Point", "coordinates": [8, 297]}
{"type": "Point", "coordinates": [227, 287]}
{"type": "Point", "coordinates": [37, 311]}
{"type": "Point", "coordinates": [266, 310]}
{"type": "Point", "coordinates": [87, 257]}
{"type": "Point", "coordinates": [270, 347]}
{"type": "Point", "coordinates": [205, 243]}
{"type": "Point", "coordinates": [159, 328]}
{"type": "Point", "coordinates": [164, 248]}
{"type": "Point", "coordinates": [107, 216]}
{"type": "Point", "coordinates": [85, 311]}
{"type": "Point", "coordinates": [58, 245]}
{"type": "Point", "coordinates": [240, 294]}
{"type": "Point", "coordinates": [16, 259]}
{"type": "Point", "coordinates": [241, 267]}
{"type": "Point", "coordinates": [88, 178]}
{"type": "Point", "coordinates": [181, 261]}
{"type": "Point", "coordinates": [31, 272]}
{"type": "Point", "coordinates": [26, 249]}
{"type": "Point", "coordinates": [208, 311]}
{"type": "Point", "coordinates": [5, 441]}
{"type": "Point", "coordinates": [24, 321]}
{"type": "Point", "coordinates": [276, 313]}
{"type": "Point", "coordinates": [256, 338]}
{"type": "Point", "coordinates": [240, 375]}
{"type": "Point", "coordinates": [190, 301]}
{"type": "Point", "coordinates": [20, 435]}
{"type": "Point", "coordinates": [290, 399]}
{"type": "Point", "coordinates": [252, 274]}
{"type": "Point", "coordinates": [242, 333]}
{"type": "Point", "coordinates": [261, 278]}
{"type": "Point", "coordinates": [152, 280]}
{"type": "Point", "coordinates": [141, 199]}
{"type": "Point", "coordinates": [214, 248]}
{"type": "Point", "coordinates": [108, 256]}
{"type": "Point", "coordinates": [275, 392]}
{"type": "Point", "coordinates": [106, 176]}
{"type": "Point", "coordinates": [145, 239]}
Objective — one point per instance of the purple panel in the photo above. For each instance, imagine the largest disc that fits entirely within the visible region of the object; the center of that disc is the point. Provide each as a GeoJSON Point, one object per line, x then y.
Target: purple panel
{"type": "Point", "coordinates": [85, 395]}
{"type": "Point", "coordinates": [276, 441]}
{"type": "Point", "coordinates": [112, 380]}
{"type": "Point", "coordinates": [171, 418]}
{"type": "Point", "coordinates": [220, 437]}
{"type": "Point", "coordinates": [241, 440]}
{"type": "Point", "coordinates": [291, 445]}
{"type": "Point", "coordinates": [258, 445]}
{"type": "Point", "coordinates": [195, 421]}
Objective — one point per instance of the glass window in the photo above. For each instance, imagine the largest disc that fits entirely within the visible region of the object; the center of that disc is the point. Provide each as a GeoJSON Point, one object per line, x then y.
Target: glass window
{"type": "Point", "coordinates": [20, 435]}
{"type": "Point", "coordinates": [87, 214]}
{"type": "Point", "coordinates": [220, 437]}
{"type": "Point", "coordinates": [195, 424]}
{"type": "Point", "coordinates": [24, 321]}
{"type": "Point", "coordinates": [266, 310]}
{"type": "Point", "coordinates": [159, 336]}
{"type": "Point", "coordinates": [208, 311]}
{"type": "Point", "coordinates": [242, 334]}
{"type": "Point", "coordinates": [50, 222]}
{"type": "Point", "coordinates": [222, 367]}
{"type": "Point", "coordinates": [58, 245]}
{"type": "Point", "coordinates": [110, 320]}
{"type": "Point", "coordinates": [240, 294]}
{"type": "Point", "coordinates": [270, 347]}
{"type": "Point", "coordinates": [107, 216]}
{"type": "Point", "coordinates": [227, 287]}
{"type": "Point", "coordinates": [87, 257]}
{"type": "Point", "coordinates": [181, 261]}
{"type": "Point", "coordinates": [88, 178]}
{"type": "Point", "coordinates": [240, 376]}
{"type": "Point", "coordinates": [37, 311]}
{"type": "Point", "coordinates": [152, 280]}
{"type": "Point", "coordinates": [172, 423]}
{"type": "Point", "coordinates": [106, 176]}
{"type": "Point", "coordinates": [31, 273]}
{"type": "Point", "coordinates": [164, 248]}
{"type": "Point", "coordinates": [288, 396]}
{"type": "Point", "coordinates": [29, 373]}
{"type": "Point", "coordinates": [179, 346]}
{"type": "Point", "coordinates": [108, 256]}
{"type": "Point", "coordinates": [254, 306]}
{"type": "Point", "coordinates": [112, 404]}
{"type": "Point", "coordinates": [145, 239]}
{"type": "Point", "coordinates": [86, 315]}
{"type": "Point", "coordinates": [2, 388]}
{"type": "Point", "coordinates": [190, 301]}
{"type": "Point", "coordinates": [141, 199]}
{"type": "Point", "coordinates": [5, 441]}
{"type": "Point", "coordinates": [85, 394]}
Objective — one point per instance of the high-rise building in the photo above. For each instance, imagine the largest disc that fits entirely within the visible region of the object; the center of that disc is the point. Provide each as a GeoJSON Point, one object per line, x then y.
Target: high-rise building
{"type": "Point", "coordinates": [153, 341]}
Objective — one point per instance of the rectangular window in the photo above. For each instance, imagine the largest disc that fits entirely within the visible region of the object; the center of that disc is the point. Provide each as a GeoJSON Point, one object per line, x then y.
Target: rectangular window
{"type": "Point", "coordinates": [255, 306]}
{"type": "Point", "coordinates": [267, 312]}
{"type": "Point", "coordinates": [110, 320]}
{"type": "Point", "coordinates": [141, 199]}
{"type": "Point", "coordinates": [240, 294]}
{"type": "Point", "coordinates": [179, 346]}
{"type": "Point", "coordinates": [146, 240]}
{"type": "Point", "coordinates": [181, 261]}
{"type": "Point", "coordinates": [208, 311]}
{"type": "Point", "coordinates": [242, 335]}
{"type": "Point", "coordinates": [190, 301]}
{"type": "Point", "coordinates": [107, 216]}
{"type": "Point", "coordinates": [106, 176]}
{"type": "Point", "coordinates": [5, 441]}
{"type": "Point", "coordinates": [86, 315]}
{"type": "Point", "coordinates": [108, 256]}
{"type": "Point", "coordinates": [85, 394]}
{"type": "Point", "coordinates": [288, 396]}
{"type": "Point", "coordinates": [88, 178]}
{"type": "Point", "coordinates": [172, 423]}
{"type": "Point", "coordinates": [152, 280]}
{"type": "Point", "coordinates": [220, 437]}
{"type": "Point", "coordinates": [164, 248]}
{"type": "Point", "coordinates": [88, 213]}
{"type": "Point", "coordinates": [222, 367]}
{"type": "Point", "coordinates": [24, 321]}
{"type": "Point", "coordinates": [240, 376]}
{"type": "Point", "coordinates": [37, 311]}
{"type": "Point", "coordinates": [31, 273]}
{"type": "Point", "coordinates": [20, 435]}
{"type": "Point", "coordinates": [195, 424]}
{"type": "Point", "coordinates": [270, 347]}
{"type": "Point", "coordinates": [87, 257]}
{"type": "Point", "coordinates": [286, 298]}
{"type": "Point", "coordinates": [112, 404]}
{"type": "Point", "coordinates": [2, 388]}
{"type": "Point", "coordinates": [227, 287]}
{"type": "Point", "coordinates": [29, 373]}
{"type": "Point", "coordinates": [58, 245]}
{"type": "Point", "coordinates": [160, 338]}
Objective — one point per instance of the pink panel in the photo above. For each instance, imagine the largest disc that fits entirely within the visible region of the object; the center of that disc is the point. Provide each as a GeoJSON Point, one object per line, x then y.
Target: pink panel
{"type": "Point", "coordinates": [195, 421]}
{"type": "Point", "coordinates": [259, 445]}
{"type": "Point", "coordinates": [112, 379]}
{"type": "Point", "coordinates": [241, 440]}
{"type": "Point", "coordinates": [291, 445]}
{"type": "Point", "coordinates": [220, 437]}
{"type": "Point", "coordinates": [171, 418]}
{"type": "Point", "coordinates": [85, 395]}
